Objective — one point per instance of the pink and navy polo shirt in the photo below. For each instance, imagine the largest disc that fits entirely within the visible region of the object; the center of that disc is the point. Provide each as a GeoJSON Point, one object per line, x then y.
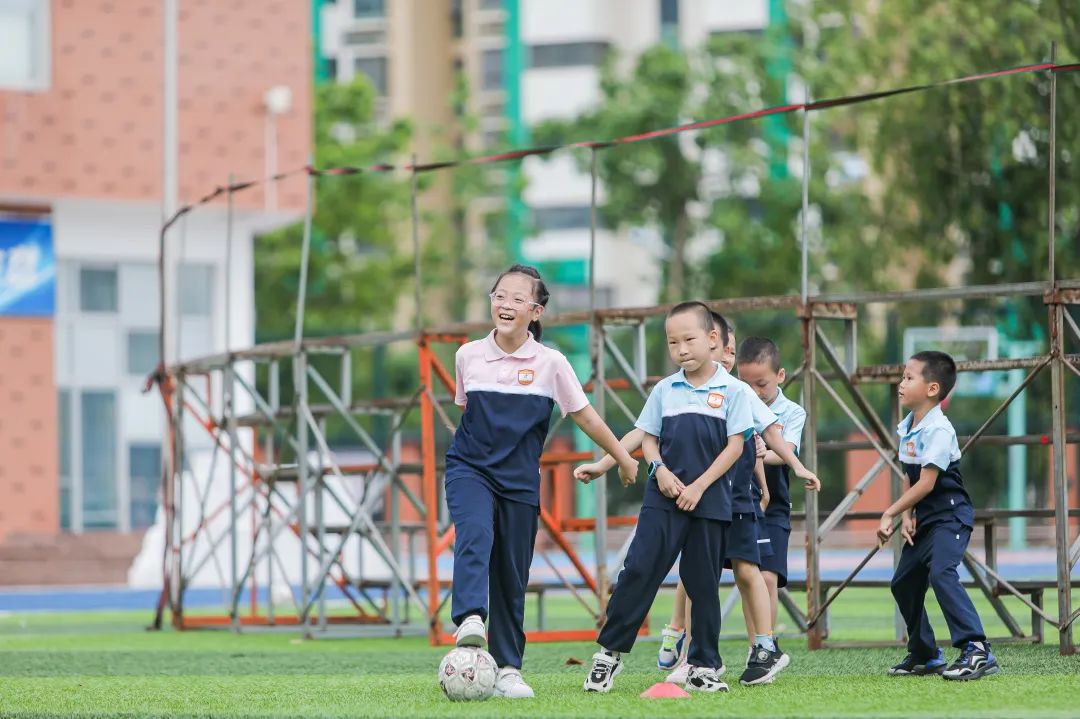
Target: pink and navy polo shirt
{"type": "Point", "coordinates": [508, 399]}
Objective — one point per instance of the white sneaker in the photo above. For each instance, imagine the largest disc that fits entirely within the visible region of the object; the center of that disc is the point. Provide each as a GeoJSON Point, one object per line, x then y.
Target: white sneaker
{"type": "Point", "coordinates": [510, 685]}
{"type": "Point", "coordinates": [681, 673]}
{"type": "Point", "coordinates": [702, 679]}
{"type": "Point", "coordinates": [605, 668]}
{"type": "Point", "coordinates": [471, 633]}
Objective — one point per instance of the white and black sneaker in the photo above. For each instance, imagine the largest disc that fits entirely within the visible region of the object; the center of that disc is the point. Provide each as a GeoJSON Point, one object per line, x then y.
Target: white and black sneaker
{"type": "Point", "coordinates": [703, 679]}
{"type": "Point", "coordinates": [763, 666]}
{"type": "Point", "coordinates": [974, 662]}
{"type": "Point", "coordinates": [605, 667]}
{"type": "Point", "coordinates": [471, 632]}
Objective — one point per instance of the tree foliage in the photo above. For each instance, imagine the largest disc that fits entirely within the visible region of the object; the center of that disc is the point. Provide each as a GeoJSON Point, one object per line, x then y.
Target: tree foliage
{"type": "Point", "coordinates": [361, 258]}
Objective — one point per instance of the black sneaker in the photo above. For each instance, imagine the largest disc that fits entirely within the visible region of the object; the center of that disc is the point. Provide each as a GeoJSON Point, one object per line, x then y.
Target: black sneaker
{"type": "Point", "coordinates": [974, 662]}
{"type": "Point", "coordinates": [915, 667]}
{"type": "Point", "coordinates": [605, 667]}
{"type": "Point", "coordinates": [763, 666]}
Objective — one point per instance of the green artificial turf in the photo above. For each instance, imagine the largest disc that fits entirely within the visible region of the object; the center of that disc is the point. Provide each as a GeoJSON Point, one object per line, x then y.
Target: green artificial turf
{"type": "Point", "coordinates": [106, 664]}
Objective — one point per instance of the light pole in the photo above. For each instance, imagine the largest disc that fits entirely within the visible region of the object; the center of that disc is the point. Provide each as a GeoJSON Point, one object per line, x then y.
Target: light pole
{"type": "Point", "coordinates": [277, 102]}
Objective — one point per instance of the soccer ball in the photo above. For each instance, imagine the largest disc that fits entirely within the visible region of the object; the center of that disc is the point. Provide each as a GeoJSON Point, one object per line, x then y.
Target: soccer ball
{"type": "Point", "coordinates": [467, 674]}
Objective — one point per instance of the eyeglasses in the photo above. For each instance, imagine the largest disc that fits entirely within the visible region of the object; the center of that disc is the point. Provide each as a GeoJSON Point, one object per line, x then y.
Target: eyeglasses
{"type": "Point", "coordinates": [517, 301]}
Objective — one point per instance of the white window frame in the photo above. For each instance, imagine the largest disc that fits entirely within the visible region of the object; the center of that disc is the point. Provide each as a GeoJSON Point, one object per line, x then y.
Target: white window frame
{"type": "Point", "coordinates": [41, 43]}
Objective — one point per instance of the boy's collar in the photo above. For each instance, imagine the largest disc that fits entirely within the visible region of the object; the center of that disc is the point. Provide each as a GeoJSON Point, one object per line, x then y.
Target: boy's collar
{"type": "Point", "coordinates": [931, 416]}
{"type": "Point", "coordinates": [720, 378]}
{"type": "Point", "coordinates": [779, 396]}
{"type": "Point", "coordinates": [492, 350]}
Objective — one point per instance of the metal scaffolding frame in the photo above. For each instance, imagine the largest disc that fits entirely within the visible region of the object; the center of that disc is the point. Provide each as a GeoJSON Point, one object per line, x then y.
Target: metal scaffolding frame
{"type": "Point", "coordinates": [268, 498]}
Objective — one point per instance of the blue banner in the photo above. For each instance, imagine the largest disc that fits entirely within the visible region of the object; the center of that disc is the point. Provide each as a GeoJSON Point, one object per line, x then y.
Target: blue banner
{"type": "Point", "coordinates": [27, 269]}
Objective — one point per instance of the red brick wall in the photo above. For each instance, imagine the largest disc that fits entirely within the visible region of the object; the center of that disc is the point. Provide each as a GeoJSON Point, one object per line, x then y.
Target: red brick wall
{"type": "Point", "coordinates": [877, 496]}
{"type": "Point", "coordinates": [96, 131]}
{"type": "Point", "coordinates": [29, 468]}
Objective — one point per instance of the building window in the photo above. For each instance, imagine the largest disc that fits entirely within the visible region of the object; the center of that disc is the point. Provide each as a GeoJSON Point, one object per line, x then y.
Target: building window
{"type": "Point", "coordinates": [24, 44]}
{"type": "Point", "coordinates": [567, 54]}
{"type": "Point", "coordinates": [374, 68]}
{"type": "Point", "coordinates": [492, 68]}
{"type": "Point", "coordinates": [669, 12]}
{"type": "Point", "coordinates": [196, 290]}
{"type": "Point", "coordinates": [457, 18]}
{"type": "Point", "coordinates": [64, 435]}
{"type": "Point", "coordinates": [669, 22]}
{"type": "Point", "coordinates": [142, 352]}
{"type": "Point", "coordinates": [144, 462]}
{"type": "Point", "coordinates": [98, 422]}
{"type": "Point", "coordinates": [97, 289]}
{"type": "Point", "coordinates": [563, 217]}
{"type": "Point", "coordinates": [364, 37]}
{"type": "Point", "coordinates": [369, 8]}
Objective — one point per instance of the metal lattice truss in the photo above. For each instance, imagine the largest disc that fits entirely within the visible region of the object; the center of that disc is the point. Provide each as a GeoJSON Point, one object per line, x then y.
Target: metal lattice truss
{"type": "Point", "coordinates": [310, 522]}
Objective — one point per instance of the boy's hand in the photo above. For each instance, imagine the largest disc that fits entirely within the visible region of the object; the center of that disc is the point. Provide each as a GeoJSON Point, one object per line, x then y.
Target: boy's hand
{"type": "Point", "coordinates": [628, 473]}
{"type": "Point", "coordinates": [810, 480]}
{"type": "Point", "coordinates": [765, 498]}
{"type": "Point", "coordinates": [669, 484]}
{"type": "Point", "coordinates": [759, 446]}
{"type": "Point", "coordinates": [907, 529]}
{"type": "Point", "coordinates": [586, 473]}
{"type": "Point", "coordinates": [885, 529]}
{"type": "Point", "coordinates": [689, 497]}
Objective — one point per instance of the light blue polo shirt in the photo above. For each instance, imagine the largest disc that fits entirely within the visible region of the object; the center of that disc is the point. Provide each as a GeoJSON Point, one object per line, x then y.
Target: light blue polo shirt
{"type": "Point", "coordinates": [693, 425]}
{"type": "Point", "coordinates": [745, 493]}
{"type": "Point", "coordinates": [933, 444]}
{"type": "Point", "coordinates": [791, 417]}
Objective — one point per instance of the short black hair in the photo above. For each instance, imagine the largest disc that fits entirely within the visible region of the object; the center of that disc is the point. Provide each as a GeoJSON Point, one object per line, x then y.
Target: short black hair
{"type": "Point", "coordinates": [702, 310]}
{"type": "Point", "coordinates": [759, 349]}
{"type": "Point", "coordinates": [938, 367]}
{"type": "Point", "coordinates": [722, 326]}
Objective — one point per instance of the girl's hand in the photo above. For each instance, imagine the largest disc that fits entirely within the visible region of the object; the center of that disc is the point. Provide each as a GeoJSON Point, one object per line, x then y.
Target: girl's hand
{"type": "Point", "coordinates": [628, 473]}
{"type": "Point", "coordinates": [759, 446]}
{"type": "Point", "coordinates": [809, 479]}
{"type": "Point", "coordinates": [586, 473]}
{"type": "Point", "coordinates": [765, 500]}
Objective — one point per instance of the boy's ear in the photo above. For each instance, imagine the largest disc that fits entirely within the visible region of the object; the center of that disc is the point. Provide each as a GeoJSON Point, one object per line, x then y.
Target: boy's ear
{"type": "Point", "coordinates": [781, 376]}
{"type": "Point", "coordinates": [933, 389]}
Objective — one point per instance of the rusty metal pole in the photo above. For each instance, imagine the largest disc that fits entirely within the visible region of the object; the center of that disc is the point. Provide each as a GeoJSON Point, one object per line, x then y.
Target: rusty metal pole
{"type": "Point", "coordinates": [1057, 381]}
{"type": "Point", "coordinates": [815, 634]}
{"type": "Point", "coordinates": [596, 335]}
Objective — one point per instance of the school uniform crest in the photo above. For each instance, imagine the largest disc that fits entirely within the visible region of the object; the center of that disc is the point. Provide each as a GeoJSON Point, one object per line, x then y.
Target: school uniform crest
{"type": "Point", "coordinates": [715, 400]}
{"type": "Point", "coordinates": [526, 376]}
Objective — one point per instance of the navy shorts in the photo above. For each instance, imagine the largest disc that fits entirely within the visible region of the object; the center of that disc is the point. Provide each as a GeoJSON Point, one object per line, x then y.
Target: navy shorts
{"type": "Point", "coordinates": [776, 562]}
{"type": "Point", "coordinates": [744, 541]}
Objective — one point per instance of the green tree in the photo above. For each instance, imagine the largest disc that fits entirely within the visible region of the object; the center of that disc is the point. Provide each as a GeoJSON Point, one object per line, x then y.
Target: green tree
{"type": "Point", "coordinates": [962, 170]}
{"type": "Point", "coordinates": [651, 183]}
{"type": "Point", "coordinates": [359, 266]}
